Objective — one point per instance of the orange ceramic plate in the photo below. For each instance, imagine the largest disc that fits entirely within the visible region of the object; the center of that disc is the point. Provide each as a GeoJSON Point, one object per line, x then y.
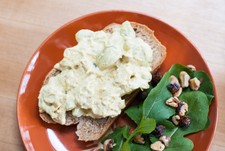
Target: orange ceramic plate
{"type": "Point", "coordinates": [38, 135]}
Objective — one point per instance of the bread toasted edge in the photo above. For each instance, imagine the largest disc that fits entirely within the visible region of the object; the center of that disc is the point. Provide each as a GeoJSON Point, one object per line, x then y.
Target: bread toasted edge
{"type": "Point", "coordinates": [89, 129]}
{"type": "Point", "coordinates": [159, 50]}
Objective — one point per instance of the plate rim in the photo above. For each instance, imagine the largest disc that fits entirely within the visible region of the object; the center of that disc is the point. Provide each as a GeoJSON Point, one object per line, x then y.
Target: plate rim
{"type": "Point", "coordinates": [25, 70]}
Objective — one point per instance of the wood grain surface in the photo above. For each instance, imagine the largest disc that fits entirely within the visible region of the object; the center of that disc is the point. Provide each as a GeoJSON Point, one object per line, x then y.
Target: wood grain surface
{"type": "Point", "coordinates": [24, 24]}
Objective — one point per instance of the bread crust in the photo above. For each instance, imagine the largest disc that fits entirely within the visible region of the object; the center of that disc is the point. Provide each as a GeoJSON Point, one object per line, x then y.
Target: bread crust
{"type": "Point", "coordinates": [89, 129]}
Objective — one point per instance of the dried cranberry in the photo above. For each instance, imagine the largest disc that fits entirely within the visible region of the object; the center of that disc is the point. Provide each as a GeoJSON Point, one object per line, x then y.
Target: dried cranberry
{"type": "Point", "coordinates": [173, 87]}
{"type": "Point", "coordinates": [159, 130]}
{"type": "Point", "coordinates": [184, 122]}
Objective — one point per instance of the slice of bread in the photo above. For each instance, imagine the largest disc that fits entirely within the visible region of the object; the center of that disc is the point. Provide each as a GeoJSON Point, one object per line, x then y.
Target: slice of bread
{"type": "Point", "coordinates": [89, 129]}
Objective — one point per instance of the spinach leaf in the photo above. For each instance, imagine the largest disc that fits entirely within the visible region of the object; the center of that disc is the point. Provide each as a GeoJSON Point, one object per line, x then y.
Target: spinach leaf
{"type": "Point", "coordinates": [206, 84]}
{"type": "Point", "coordinates": [198, 110]}
{"type": "Point", "coordinates": [139, 147]}
{"type": "Point", "coordinates": [198, 101]}
{"type": "Point", "coordinates": [179, 142]}
{"type": "Point", "coordinates": [146, 126]}
{"type": "Point", "coordinates": [154, 105]}
{"type": "Point", "coordinates": [167, 124]}
{"type": "Point", "coordinates": [135, 113]}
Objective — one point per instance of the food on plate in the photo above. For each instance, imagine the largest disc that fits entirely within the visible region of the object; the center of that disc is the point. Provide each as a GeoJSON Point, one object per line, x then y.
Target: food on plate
{"type": "Point", "coordinates": [163, 119]}
{"type": "Point", "coordinates": [99, 76]}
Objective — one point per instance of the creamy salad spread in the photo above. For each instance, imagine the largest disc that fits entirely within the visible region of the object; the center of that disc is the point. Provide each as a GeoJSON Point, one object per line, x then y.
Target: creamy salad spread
{"type": "Point", "coordinates": [96, 73]}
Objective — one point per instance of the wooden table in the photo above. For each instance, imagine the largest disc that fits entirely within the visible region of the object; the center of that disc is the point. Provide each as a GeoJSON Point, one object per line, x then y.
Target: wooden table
{"type": "Point", "coordinates": [24, 24]}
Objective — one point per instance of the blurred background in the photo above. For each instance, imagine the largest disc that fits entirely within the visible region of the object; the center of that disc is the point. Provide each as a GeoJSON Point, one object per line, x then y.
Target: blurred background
{"type": "Point", "coordinates": [24, 24]}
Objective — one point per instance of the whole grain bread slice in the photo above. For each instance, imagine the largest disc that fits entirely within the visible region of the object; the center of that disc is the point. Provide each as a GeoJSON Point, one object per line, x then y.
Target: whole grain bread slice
{"type": "Point", "coordinates": [89, 129]}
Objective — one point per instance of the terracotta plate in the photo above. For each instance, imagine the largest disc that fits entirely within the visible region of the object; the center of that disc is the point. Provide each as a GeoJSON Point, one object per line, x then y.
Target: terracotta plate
{"type": "Point", "coordinates": [38, 135]}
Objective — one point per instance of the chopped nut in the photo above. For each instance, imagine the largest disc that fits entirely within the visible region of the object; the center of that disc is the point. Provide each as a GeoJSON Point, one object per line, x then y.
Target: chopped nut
{"type": "Point", "coordinates": [191, 67]}
{"type": "Point", "coordinates": [174, 79]}
{"type": "Point", "coordinates": [182, 108]}
{"type": "Point", "coordinates": [184, 121]}
{"type": "Point", "coordinates": [159, 130]}
{"type": "Point", "coordinates": [165, 140]}
{"type": "Point", "coordinates": [176, 119]}
{"type": "Point", "coordinates": [173, 102]}
{"type": "Point", "coordinates": [195, 84]}
{"type": "Point", "coordinates": [184, 79]}
{"type": "Point", "coordinates": [108, 145]}
{"type": "Point", "coordinates": [178, 93]}
{"type": "Point", "coordinates": [139, 139]}
{"type": "Point", "coordinates": [157, 146]}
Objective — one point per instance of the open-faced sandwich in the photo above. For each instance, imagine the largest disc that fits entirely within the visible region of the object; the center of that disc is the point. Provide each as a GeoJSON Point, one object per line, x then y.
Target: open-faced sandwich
{"type": "Point", "coordinates": [99, 76]}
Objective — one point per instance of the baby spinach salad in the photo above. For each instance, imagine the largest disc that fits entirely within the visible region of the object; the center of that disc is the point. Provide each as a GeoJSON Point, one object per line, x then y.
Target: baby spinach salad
{"type": "Point", "coordinates": [162, 123]}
